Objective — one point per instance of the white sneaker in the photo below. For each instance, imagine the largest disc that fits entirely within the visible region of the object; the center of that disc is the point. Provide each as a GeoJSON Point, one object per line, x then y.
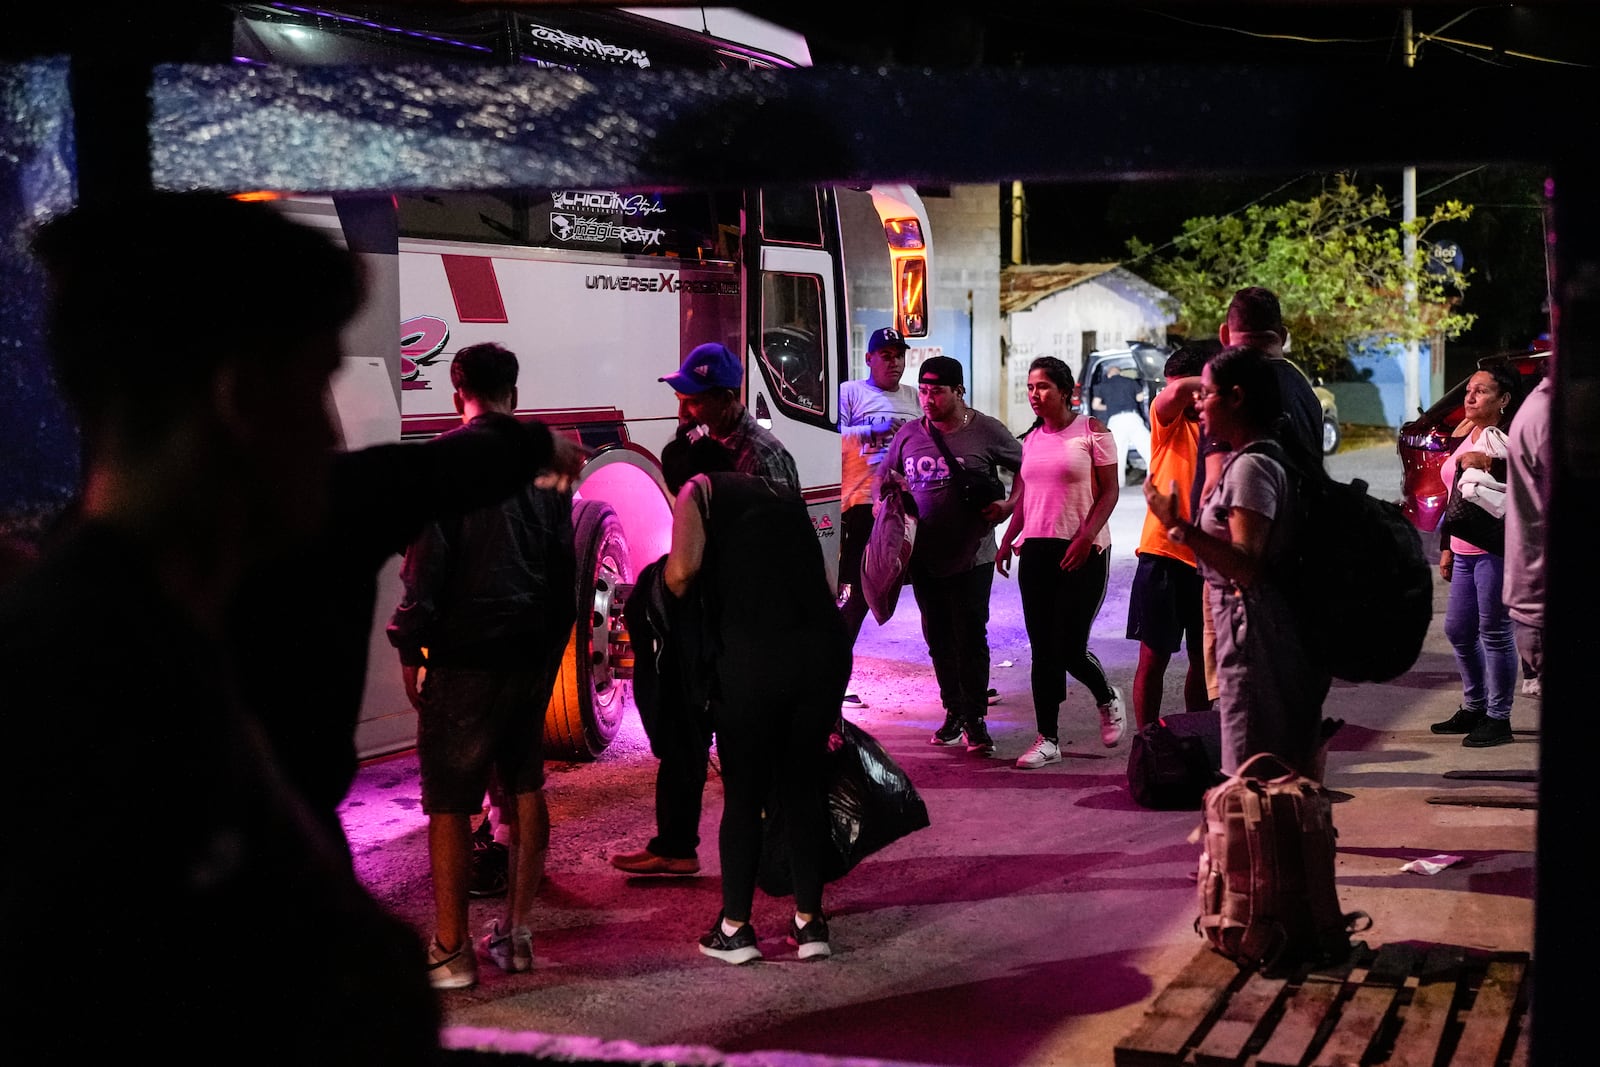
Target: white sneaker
{"type": "Point", "coordinates": [1042, 751]}
{"type": "Point", "coordinates": [1112, 721]}
{"type": "Point", "coordinates": [852, 702]}
{"type": "Point", "coordinates": [1532, 687]}
{"type": "Point", "coordinates": [512, 950]}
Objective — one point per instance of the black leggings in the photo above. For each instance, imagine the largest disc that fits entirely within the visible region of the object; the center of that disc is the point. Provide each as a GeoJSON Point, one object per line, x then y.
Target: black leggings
{"type": "Point", "coordinates": [772, 741]}
{"type": "Point", "coordinates": [1058, 608]}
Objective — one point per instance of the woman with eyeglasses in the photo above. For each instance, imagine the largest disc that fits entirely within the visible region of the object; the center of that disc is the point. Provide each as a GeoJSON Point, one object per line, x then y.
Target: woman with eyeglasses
{"type": "Point", "coordinates": [1271, 691]}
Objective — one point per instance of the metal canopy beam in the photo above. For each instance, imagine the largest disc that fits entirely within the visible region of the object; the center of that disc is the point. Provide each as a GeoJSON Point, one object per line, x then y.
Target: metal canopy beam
{"type": "Point", "coordinates": [422, 127]}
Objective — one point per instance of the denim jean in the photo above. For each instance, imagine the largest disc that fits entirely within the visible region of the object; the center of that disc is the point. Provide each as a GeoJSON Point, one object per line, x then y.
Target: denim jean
{"type": "Point", "coordinates": [1478, 627]}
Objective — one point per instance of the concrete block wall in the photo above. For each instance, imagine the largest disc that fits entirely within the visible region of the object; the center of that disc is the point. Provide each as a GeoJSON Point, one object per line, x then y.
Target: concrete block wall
{"type": "Point", "coordinates": [965, 220]}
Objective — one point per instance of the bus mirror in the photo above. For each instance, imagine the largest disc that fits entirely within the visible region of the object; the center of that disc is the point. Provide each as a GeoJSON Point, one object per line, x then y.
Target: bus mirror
{"type": "Point", "coordinates": [911, 293]}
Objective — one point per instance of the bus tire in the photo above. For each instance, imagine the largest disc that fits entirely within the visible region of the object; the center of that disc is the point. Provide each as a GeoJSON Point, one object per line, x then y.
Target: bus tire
{"type": "Point", "coordinates": [588, 701]}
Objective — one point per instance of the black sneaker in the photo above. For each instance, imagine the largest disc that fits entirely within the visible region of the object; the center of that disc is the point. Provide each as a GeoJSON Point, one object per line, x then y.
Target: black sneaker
{"type": "Point", "coordinates": [992, 696]}
{"type": "Point", "coordinates": [810, 940]}
{"type": "Point", "coordinates": [490, 871]}
{"type": "Point", "coordinates": [738, 947]}
{"type": "Point", "coordinates": [950, 732]}
{"type": "Point", "coordinates": [491, 862]}
{"type": "Point", "coordinates": [1464, 721]}
{"type": "Point", "coordinates": [978, 739]}
{"type": "Point", "coordinates": [1488, 733]}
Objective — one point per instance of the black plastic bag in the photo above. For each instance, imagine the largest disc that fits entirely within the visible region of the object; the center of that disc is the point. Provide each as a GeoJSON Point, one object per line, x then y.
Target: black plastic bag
{"type": "Point", "coordinates": [871, 803]}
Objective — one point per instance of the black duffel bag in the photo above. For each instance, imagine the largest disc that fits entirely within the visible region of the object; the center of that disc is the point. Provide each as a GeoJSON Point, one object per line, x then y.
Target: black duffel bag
{"type": "Point", "coordinates": [1174, 760]}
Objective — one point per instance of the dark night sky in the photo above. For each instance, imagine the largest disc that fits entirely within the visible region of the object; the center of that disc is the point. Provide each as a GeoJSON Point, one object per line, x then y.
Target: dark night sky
{"type": "Point", "coordinates": [1092, 221]}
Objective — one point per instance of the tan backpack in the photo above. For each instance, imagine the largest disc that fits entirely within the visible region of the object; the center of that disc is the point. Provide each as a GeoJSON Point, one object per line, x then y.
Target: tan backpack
{"type": "Point", "coordinates": [1266, 877]}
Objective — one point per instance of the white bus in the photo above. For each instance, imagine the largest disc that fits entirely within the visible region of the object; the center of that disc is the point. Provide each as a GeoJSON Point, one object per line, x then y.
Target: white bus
{"type": "Point", "coordinates": [599, 292]}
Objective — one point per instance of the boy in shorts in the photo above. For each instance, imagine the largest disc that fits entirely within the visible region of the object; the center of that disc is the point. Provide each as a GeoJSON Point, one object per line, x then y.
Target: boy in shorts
{"type": "Point", "coordinates": [1164, 607]}
{"type": "Point", "coordinates": [489, 596]}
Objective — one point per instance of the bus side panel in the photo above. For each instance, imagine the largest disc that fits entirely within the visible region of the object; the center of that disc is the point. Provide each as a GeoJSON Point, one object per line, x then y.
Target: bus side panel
{"type": "Point", "coordinates": [587, 334]}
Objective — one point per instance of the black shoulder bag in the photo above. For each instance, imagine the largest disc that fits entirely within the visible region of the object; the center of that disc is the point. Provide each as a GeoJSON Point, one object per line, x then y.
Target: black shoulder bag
{"type": "Point", "coordinates": [977, 489]}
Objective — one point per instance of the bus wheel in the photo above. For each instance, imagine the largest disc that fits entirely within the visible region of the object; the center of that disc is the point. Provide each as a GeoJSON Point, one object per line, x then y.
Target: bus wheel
{"type": "Point", "coordinates": [589, 699]}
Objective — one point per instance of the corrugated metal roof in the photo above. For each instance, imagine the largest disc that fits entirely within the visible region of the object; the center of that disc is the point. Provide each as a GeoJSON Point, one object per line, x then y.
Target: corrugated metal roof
{"type": "Point", "coordinates": [1024, 285]}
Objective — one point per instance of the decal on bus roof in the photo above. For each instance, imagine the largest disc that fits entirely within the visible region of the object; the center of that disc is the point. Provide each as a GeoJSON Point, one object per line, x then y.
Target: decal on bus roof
{"type": "Point", "coordinates": [601, 200]}
{"type": "Point", "coordinates": [588, 46]}
{"type": "Point", "coordinates": [570, 228]}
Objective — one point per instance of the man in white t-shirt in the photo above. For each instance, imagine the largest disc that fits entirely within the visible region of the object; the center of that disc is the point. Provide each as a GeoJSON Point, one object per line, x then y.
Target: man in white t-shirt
{"type": "Point", "coordinates": [870, 411]}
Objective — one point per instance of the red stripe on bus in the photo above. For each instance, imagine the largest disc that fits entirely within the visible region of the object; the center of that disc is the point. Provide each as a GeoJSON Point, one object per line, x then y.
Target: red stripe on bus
{"type": "Point", "coordinates": [599, 416]}
{"type": "Point", "coordinates": [475, 288]}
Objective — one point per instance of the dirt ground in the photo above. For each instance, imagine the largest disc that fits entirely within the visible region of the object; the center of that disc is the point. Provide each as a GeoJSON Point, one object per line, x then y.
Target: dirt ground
{"type": "Point", "coordinates": [1032, 923]}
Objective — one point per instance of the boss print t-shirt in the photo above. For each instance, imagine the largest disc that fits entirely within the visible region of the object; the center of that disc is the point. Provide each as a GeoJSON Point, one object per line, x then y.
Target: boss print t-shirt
{"type": "Point", "coordinates": [951, 537]}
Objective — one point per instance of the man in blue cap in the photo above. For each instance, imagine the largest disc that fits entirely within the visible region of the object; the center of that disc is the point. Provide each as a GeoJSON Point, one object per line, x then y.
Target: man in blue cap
{"type": "Point", "coordinates": [707, 385]}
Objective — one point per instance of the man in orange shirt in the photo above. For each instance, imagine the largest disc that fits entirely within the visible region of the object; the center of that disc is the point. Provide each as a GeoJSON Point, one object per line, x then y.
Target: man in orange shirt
{"type": "Point", "coordinates": [1164, 608]}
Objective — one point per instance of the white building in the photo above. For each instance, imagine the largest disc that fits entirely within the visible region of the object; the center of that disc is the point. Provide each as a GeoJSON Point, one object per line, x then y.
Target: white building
{"type": "Point", "coordinates": [1068, 310]}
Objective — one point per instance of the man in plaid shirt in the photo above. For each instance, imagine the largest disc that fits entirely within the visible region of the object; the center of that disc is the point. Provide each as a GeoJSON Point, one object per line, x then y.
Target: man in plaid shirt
{"type": "Point", "coordinates": [708, 385]}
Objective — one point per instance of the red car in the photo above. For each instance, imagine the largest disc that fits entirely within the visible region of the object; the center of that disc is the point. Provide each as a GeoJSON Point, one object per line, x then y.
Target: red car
{"type": "Point", "coordinates": [1425, 441]}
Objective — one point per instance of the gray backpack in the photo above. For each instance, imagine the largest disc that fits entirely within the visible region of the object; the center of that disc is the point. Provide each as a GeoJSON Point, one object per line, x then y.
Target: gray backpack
{"type": "Point", "coordinates": [1266, 877]}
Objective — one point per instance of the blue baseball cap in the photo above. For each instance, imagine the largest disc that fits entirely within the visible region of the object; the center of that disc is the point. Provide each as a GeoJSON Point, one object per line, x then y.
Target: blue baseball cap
{"type": "Point", "coordinates": [888, 337]}
{"type": "Point", "coordinates": [710, 366]}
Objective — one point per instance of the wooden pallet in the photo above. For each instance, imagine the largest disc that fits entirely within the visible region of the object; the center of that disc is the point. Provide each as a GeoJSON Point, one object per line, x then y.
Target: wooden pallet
{"type": "Point", "coordinates": [1403, 1005]}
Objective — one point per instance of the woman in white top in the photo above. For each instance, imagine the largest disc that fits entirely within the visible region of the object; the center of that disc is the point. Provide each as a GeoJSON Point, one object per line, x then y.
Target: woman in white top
{"type": "Point", "coordinates": [1059, 505]}
{"type": "Point", "coordinates": [1476, 621]}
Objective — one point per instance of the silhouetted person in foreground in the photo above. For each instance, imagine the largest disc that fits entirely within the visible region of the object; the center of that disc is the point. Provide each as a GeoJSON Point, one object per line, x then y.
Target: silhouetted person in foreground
{"type": "Point", "coordinates": [218, 916]}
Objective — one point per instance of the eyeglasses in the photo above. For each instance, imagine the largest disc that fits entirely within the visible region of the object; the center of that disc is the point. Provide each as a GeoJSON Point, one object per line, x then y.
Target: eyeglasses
{"type": "Point", "coordinates": [1203, 395]}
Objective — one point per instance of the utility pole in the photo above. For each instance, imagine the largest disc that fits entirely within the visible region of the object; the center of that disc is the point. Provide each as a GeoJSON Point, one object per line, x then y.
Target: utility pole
{"type": "Point", "coordinates": [1412, 370]}
{"type": "Point", "coordinates": [1016, 222]}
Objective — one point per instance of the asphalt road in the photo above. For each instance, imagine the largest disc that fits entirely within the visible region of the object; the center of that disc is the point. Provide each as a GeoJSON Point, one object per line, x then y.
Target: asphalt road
{"type": "Point", "coordinates": [1032, 923]}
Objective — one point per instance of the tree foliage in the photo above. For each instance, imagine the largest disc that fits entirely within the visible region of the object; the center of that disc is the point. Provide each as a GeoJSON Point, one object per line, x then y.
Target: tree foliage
{"type": "Point", "coordinates": [1337, 262]}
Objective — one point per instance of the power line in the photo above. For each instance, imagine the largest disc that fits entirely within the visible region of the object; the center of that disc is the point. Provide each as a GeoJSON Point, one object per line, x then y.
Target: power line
{"type": "Point", "coordinates": [1514, 54]}
{"type": "Point", "coordinates": [1388, 203]}
{"type": "Point", "coordinates": [1273, 36]}
{"type": "Point", "coordinates": [1220, 219]}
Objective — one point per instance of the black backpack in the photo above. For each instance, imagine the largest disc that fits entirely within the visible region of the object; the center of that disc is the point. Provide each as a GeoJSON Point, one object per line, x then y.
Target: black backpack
{"type": "Point", "coordinates": [1357, 580]}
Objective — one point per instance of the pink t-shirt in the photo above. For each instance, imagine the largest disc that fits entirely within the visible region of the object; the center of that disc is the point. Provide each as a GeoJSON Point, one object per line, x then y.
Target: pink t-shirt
{"type": "Point", "coordinates": [1058, 480]}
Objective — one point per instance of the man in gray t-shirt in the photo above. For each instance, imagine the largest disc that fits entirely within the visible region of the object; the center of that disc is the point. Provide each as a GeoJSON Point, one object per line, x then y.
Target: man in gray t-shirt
{"type": "Point", "coordinates": [952, 563]}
